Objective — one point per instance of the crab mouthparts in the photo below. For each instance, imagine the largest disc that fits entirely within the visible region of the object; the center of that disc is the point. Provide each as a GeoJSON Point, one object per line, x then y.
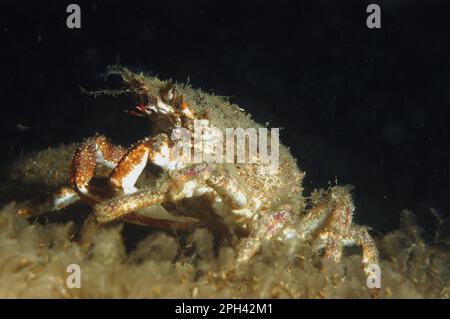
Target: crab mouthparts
{"type": "Point", "coordinates": [139, 110]}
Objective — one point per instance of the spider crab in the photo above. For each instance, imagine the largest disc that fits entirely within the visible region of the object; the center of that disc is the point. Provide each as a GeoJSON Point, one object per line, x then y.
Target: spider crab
{"type": "Point", "coordinates": [261, 206]}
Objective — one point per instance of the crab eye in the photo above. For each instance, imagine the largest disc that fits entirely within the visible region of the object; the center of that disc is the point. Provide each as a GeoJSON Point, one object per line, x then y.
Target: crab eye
{"type": "Point", "coordinates": [167, 92]}
{"type": "Point", "coordinates": [167, 97]}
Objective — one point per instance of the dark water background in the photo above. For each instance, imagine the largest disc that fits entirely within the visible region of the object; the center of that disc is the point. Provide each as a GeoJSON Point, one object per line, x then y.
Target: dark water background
{"type": "Point", "coordinates": [368, 107]}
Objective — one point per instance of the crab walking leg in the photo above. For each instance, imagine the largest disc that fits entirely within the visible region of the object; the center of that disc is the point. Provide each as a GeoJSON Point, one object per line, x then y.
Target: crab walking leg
{"type": "Point", "coordinates": [186, 183]}
{"type": "Point", "coordinates": [63, 198]}
{"type": "Point", "coordinates": [337, 228]}
{"type": "Point", "coordinates": [313, 220]}
{"type": "Point", "coordinates": [360, 236]}
{"type": "Point", "coordinates": [333, 213]}
{"type": "Point", "coordinates": [357, 236]}
{"type": "Point", "coordinates": [327, 224]}
{"type": "Point", "coordinates": [94, 150]}
{"type": "Point", "coordinates": [266, 228]}
{"type": "Point", "coordinates": [122, 206]}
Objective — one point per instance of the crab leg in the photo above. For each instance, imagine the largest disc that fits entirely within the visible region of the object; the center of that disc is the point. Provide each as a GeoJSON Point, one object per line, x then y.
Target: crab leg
{"type": "Point", "coordinates": [338, 226]}
{"type": "Point", "coordinates": [92, 151]}
{"type": "Point", "coordinates": [267, 227]}
{"type": "Point", "coordinates": [360, 236]}
{"type": "Point", "coordinates": [357, 236]}
{"type": "Point", "coordinates": [186, 183]}
{"type": "Point", "coordinates": [122, 206]}
{"type": "Point", "coordinates": [65, 197]}
{"type": "Point", "coordinates": [313, 220]}
{"type": "Point", "coordinates": [329, 225]}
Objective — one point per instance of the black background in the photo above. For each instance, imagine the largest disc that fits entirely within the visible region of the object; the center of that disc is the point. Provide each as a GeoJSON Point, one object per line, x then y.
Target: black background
{"type": "Point", "coordinates": [365, 107]}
